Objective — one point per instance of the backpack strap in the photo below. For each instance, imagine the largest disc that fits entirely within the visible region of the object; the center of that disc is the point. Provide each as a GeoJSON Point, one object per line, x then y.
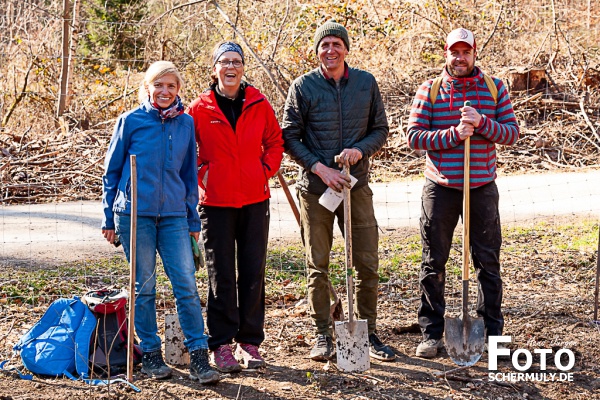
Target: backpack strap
{"type": "Point", "coordinates": [491, 85]}
{"type": "Point", "coordinates": [83, 339]}
{"type": "Point", "coordinates": [27, 377]}
{"type": "Point", "coordinates": [437, 83]}
{"type": "Point", "coordinates": [95, 382]}
{"type": "Point", "coordinates": [435, 88]}
{"type": "Point", "coordinates": [106, 382]}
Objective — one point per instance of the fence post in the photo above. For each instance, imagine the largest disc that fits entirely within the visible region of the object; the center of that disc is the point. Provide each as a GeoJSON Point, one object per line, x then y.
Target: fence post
{"type": "Point", "coordinates": [64, 71]}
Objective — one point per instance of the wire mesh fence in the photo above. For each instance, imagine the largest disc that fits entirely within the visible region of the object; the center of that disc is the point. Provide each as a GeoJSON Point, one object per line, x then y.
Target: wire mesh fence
{"type": "Point", "coordinates": [50, 215]}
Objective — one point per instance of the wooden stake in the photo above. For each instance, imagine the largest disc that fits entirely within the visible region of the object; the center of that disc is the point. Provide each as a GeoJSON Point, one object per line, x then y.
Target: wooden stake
{"type": "Point", "coordinates": [132, 260]}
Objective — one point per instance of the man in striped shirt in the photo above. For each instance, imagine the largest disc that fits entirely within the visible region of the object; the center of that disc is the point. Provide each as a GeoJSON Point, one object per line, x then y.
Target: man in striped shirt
{"type": "Point", "coordinates": [439, 123]}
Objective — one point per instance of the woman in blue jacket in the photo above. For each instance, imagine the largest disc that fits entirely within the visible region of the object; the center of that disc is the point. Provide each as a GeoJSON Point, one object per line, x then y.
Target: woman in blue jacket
{"type": "Point", "coordinates": [162, 138]}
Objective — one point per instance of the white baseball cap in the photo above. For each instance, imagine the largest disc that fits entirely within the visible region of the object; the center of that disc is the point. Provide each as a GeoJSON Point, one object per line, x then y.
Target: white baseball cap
{"type": "Point", "coordinates": [460, 35]}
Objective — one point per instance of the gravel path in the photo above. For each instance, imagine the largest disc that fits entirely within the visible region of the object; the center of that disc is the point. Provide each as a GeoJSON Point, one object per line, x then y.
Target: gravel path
{"type": "Point", "coordinates": [45, 234]}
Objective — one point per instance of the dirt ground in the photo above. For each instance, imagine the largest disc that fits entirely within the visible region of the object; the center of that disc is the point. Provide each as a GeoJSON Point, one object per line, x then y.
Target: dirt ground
{"type": "Point", "coordinates": [547, 304]}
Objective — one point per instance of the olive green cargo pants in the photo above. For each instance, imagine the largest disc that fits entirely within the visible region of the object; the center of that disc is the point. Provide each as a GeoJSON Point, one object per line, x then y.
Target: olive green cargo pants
{"type": "Point", "coordinates": [317, 234]}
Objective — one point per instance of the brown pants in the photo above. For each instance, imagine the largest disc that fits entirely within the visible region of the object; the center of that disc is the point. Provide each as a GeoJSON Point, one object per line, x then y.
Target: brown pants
{"type": "Point", "coordinates": [317, 235]}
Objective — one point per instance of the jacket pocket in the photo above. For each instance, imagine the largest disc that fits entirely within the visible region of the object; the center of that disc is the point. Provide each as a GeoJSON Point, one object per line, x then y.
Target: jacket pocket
{"type": "Point", "coordinates": [203, 176]}
{"type": "Point", "coordinates": [123, 192]}
{"type": "Point", "coordinates": [265, 168]}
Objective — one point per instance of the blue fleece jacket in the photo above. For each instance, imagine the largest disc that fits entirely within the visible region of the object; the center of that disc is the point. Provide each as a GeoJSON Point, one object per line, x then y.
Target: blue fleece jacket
{"type": "Point", "coordinates": [166, 167]}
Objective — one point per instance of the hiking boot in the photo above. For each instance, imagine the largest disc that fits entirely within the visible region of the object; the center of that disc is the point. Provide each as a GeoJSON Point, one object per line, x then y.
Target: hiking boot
{"type": "Point", "coordinates": [200, 369]}
{"type": "Point", "coordinates": [248, 356]}
{"type": "Point", "coordinates": [380, 351]}
{"type": "Point", "coordinates": [323, 349]}
{"type": "Point", "coordinates": [224, 360]}
{"type": "Point", "coordinates": [429, 348]}
{"type": "Point", "coordinates": [154, 366]}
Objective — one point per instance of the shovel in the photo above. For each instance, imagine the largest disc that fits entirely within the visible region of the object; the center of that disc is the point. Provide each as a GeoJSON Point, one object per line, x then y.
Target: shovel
{"type": "Point", "coordinates": [335, 309]}
{"type": "Point", "coordinates": [352, 339]}
{"type": "Point", "coordinates": [464, 336]}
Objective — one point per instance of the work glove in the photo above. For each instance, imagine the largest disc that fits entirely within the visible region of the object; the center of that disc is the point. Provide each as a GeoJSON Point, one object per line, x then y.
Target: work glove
{"type": "Point", "coordinates": [198, 259]}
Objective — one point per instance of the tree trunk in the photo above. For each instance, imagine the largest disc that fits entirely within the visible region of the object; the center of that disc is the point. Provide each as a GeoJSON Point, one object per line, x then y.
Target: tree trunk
{"type": "Point", "coordinates": [64, 73]}
{"type": "Point", "coordinates": [72, 51]}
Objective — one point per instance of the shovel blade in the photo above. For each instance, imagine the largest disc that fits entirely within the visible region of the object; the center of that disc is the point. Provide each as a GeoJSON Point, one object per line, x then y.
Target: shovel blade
{"type": "Point", "coordinates": [464, 338]}
{"type": "Point", "coordinates": [352, 345]}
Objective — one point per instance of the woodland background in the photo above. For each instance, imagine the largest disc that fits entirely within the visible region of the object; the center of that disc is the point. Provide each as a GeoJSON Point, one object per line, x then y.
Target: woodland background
{"type": "Point", "coordinates": [69, 68]}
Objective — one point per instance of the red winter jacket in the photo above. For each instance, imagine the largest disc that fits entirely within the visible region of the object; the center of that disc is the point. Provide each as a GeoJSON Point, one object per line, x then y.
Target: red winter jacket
{"type": "Point", "coordinates": [240, 162]}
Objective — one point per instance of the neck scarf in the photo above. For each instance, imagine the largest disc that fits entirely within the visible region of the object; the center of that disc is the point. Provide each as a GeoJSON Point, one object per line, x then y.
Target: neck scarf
{"type": "Point", "coordinates": [172, 111]}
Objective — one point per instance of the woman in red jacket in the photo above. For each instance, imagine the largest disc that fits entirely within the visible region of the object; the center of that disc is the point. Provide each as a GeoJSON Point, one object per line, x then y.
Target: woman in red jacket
{"type": "Point", "coordinates": [240, 148]}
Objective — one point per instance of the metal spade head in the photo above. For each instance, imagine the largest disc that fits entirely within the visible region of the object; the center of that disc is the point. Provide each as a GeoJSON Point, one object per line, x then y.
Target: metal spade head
{"type": "Point", "coordinates": [464, 338]}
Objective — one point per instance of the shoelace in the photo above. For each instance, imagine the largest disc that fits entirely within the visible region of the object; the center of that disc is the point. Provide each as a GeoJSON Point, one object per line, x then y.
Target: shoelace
{"type": "Point", "coordinates": [200, 361]}
{"type": "Point", "coordinates": [155, 360]}
{"type": "Point", "coordinates": [322, 341]}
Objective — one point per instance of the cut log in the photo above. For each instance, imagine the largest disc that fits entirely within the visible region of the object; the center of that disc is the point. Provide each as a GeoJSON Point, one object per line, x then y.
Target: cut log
{"type": "Point", "coordinates": [175, 351]}
{"type": "Point", "coordinates": [528, 80]}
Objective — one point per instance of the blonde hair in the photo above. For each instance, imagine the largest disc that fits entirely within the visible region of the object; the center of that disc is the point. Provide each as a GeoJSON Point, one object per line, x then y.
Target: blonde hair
{"type": "Point", "coordinates": [156, 71]}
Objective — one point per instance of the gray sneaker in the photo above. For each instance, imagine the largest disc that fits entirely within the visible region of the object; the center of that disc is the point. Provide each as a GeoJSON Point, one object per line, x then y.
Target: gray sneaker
{"type": "Point", "coordinates": [200, 369]}
{"type": "Point", "coordinates": [323, 349]}
{"type": "Point", "coordinates": [429, 348]}
{"type": "Point", "coordinates": [154, 366]}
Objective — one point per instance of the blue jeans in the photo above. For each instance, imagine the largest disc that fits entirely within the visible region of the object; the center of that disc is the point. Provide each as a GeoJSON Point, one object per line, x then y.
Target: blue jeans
{"type": "Point", "coordinates": [170, 237]}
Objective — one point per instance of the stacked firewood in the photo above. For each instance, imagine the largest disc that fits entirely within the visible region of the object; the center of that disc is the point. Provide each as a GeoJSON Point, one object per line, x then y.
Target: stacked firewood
{"type": "Point", "coordinates": [36, 168]}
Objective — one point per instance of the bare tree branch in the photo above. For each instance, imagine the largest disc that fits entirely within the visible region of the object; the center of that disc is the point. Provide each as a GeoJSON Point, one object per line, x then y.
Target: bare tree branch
{"type": "Point", "coordinates": [493, 30]}
{"type": "Point", "coordinates": [587, 119]}
{"type": "Point", "coordinates": [256, 57]}
{"type": "Point", "coordinates": [191, 3]}
{"type": "Point", "coordinates": [287, 12]}
{"type": "Point", "coordinates": [20, 96]}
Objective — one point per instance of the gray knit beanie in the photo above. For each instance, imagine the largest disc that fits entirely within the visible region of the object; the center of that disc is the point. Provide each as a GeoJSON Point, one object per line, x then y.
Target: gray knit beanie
{"type": "Point", "coordinates": [331, 28]}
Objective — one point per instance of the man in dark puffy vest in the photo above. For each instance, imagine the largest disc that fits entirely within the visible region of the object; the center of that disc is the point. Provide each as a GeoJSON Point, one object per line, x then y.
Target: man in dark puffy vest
{"type": "Point", "coordinates": [336, 110]}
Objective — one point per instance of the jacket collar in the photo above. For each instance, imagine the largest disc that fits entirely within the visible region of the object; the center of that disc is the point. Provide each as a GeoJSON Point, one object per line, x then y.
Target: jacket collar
{"type": "Point", "coordinates": [252, 95]}
{"type": "Point", "coordinates": [146, 106]}
{"type": "Point", "coordinates": [346, 73]}
{"type": "Point", "coordinates": [475, 78]}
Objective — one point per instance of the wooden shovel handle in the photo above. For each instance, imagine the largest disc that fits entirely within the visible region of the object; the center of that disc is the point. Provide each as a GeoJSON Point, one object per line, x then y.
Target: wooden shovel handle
{"type": "Point", "coordinates": [288, 195]}
{"type": "Point", "coordinates": [348, 243]}
{"type": "Point", "coordinates": [466, 210]}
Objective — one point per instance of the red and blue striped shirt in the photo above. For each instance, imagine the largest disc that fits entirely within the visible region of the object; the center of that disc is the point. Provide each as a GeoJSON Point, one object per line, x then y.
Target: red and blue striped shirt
{"type": "Point", "coordinates": [433, 128]}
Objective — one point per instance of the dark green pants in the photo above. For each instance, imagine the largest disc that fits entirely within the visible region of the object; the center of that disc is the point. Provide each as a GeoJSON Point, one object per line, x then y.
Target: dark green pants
{"type": "Point", "coordinates": [317, 234]}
